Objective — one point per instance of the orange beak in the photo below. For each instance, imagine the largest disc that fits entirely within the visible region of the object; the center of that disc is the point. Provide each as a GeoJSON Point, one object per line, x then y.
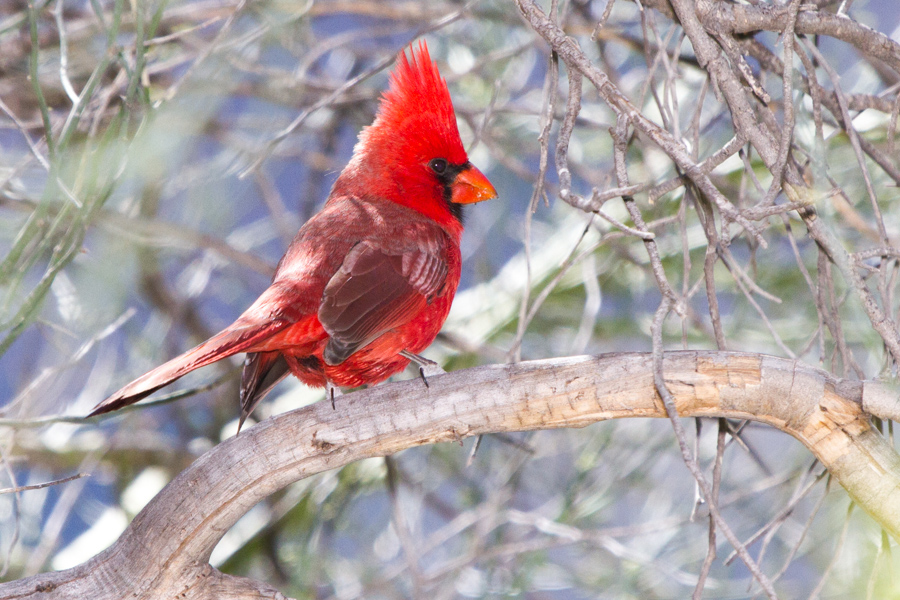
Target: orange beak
{"type": "Point", "coordinates": [471, 186]}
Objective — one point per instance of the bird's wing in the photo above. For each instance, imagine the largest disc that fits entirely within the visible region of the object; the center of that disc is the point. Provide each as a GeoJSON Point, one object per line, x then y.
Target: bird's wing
{"type": "Point", "coordinates": [376, 289]}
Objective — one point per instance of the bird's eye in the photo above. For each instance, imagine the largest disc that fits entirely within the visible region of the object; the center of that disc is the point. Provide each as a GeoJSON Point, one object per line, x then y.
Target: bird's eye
{"type": "Point", "coordinates": [438, 165]}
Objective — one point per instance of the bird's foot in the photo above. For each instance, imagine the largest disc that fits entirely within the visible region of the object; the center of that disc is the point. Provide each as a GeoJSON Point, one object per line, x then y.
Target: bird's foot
{"type": "Point", "coordinates": [331, 391]}
{"type": "Point", "coordinates": [427, 368]}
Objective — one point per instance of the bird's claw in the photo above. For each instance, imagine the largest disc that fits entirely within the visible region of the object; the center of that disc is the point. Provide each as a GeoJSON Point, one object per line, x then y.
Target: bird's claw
{"type": "Point", "coordinates": [332, 390]}
{"type": "Point", "coordinates": [427, 368]}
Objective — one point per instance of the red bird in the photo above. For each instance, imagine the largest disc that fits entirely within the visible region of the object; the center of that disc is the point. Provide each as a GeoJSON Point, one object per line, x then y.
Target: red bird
{"type": "Point", "coordinates": [368, 281]}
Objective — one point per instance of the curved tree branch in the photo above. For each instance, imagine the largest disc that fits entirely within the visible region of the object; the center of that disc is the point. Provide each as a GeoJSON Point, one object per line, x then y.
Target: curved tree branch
{"type": "Point", "coordinates": [737, 19]}
{"type": "Point", "coordinates": [165, 551]}
{"type": "Point", "coordinates": [726, 18]}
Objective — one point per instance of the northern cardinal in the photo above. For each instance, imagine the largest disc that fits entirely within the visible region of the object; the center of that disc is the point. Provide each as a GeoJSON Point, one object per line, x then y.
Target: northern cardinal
{"type": "Point", "coordinates": [368, 281]}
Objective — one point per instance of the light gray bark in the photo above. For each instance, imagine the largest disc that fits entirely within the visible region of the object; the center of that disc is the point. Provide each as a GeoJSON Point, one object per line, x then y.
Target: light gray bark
{"type": "Point", "coordinates": [164, 553]}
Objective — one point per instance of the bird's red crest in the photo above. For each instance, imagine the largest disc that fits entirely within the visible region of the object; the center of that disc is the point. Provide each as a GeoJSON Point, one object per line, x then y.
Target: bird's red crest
{"type": "Point", "coordinates": [418, 93]}
{"type": "Point", "coordinates": [415, 121]}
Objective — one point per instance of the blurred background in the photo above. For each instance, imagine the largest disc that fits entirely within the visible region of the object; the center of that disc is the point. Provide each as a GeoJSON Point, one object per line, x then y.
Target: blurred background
{"type": "Point", "coordinates": [156, 158]}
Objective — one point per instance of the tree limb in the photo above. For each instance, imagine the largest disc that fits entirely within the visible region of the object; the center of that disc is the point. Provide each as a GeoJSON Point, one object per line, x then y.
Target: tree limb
{"type": "Point", "coordinates": [165, 551]}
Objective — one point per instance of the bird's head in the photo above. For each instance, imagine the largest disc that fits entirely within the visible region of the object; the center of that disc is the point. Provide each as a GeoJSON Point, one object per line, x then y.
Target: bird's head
{"type": "Point", "coordinates": [412, 154]}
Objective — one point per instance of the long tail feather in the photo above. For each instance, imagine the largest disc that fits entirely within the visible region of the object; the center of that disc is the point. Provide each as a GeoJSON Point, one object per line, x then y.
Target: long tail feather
{"type": "Point", "coordinates": [222, 345]}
